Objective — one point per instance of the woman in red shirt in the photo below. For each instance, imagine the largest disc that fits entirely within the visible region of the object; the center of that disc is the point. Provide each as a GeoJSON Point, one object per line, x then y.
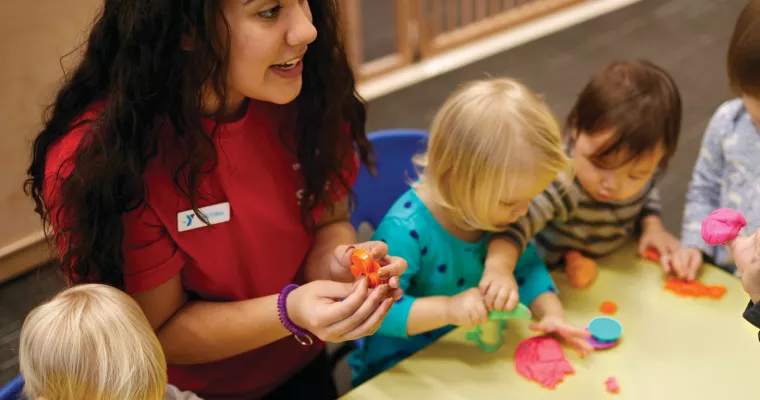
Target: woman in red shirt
{"type": "Point", "coordinates": [200, 157]}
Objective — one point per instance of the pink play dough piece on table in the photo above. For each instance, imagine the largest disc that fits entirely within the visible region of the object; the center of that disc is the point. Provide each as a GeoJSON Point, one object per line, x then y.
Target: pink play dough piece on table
{"type": "Point", "coordinates": [612, 385]}
{"type": "Point", "coordinates": [541, 359]}
{"type": "Point", "coordinates": [722, 225]}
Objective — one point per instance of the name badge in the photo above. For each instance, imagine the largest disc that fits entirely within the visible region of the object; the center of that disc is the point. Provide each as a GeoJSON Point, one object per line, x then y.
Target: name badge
{"type": "Point", "coordinates": [215, 214]}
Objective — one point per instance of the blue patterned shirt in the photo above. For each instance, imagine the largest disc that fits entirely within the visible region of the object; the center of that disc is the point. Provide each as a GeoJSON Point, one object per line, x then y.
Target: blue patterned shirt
{"type": "Point", "coordinates": [726, 174]}
{"type": "Point", "coordinates": [439, 265]}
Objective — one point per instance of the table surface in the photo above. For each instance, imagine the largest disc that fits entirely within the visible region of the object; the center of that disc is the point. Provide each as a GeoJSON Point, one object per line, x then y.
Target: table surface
{"type": "Point", "coordinates": [671, 347]}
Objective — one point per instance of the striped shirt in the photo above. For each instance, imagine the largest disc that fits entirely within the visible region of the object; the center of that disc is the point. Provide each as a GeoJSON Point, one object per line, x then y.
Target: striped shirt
{"type": "Point", "coordinates": [566, 217]}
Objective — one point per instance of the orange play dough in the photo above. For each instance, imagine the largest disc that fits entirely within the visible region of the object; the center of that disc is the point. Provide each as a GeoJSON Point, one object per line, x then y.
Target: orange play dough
{"type": "Point", "coordinates": [652, 254]}
{"type": "Point", "coordinates": [581, 271]}
{"type": "Point", "coordinates": [694, 289]}
{"type": "Point", "coordinates": [362, 263]}
{"type": "Point", "coordinates": [608, 307]}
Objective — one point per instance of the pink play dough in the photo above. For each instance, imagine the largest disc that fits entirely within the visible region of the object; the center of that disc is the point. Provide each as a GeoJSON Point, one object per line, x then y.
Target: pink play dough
{"type": "Point", "coordinates": [541, 359]}
{"type": "Point", "coordinates": [612, 385]}
{"type": "Point", "coordinates": [722, 225]}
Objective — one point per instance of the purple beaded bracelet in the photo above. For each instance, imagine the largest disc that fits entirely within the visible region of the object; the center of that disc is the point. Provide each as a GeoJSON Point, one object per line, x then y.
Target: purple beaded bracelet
{"type": "Point", "coordinates": [303, 336]}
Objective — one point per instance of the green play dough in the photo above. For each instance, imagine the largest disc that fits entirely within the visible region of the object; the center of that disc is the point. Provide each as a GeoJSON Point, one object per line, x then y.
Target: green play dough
{"type": "Point", "coordinates": [519, 312]}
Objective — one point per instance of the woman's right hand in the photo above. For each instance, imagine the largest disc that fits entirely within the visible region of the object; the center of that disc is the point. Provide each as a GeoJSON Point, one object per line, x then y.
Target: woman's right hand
{"type": "Point", "coordinates": [317, 307]}
{"type": "Point", "coordinates": [746, 251]}
{"type": "Point", "coordinates": [467, 309]}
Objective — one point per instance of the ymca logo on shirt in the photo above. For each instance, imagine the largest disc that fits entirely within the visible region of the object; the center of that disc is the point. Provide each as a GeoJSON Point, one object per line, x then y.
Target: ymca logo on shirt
{"type": "Point", "coordinates": [215, 214]}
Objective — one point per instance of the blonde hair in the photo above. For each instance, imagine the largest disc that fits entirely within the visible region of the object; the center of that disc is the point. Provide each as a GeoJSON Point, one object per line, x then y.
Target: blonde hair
{"type": "Point", "coordinates": [487, 136]}
{"type": "Point", "coordinates": [91, 342]}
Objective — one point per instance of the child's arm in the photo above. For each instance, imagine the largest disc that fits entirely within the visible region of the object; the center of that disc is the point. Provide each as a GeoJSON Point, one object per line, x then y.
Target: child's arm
{"type": "Point", "coordinates": [703, 195]}
{"type": "Point", "coordinates": [653, 232]}
{"type": "Point", "coordinates": [411, 315]}
{"type": "Point", "coordinates": [548, 310]}
{"type": "Point", "coordinates": [429, 313]}
{"type": "Point", "coordinates": [498, 284]}
{"type": "Point", "coordinates": [395, 232]}
{"type": "Point", "coordinates": [537, 289]}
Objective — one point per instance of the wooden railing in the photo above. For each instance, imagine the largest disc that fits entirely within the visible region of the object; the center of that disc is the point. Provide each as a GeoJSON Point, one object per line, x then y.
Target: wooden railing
{"type": "Point", "coordinates": [446, 24]}
{"type": "Point", "coordinates": [401, 19]}
{"type": "Point", "coordinates": [424, 28]}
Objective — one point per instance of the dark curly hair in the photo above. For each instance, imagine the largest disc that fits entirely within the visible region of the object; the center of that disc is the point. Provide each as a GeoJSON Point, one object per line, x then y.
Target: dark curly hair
{"type": "Point", "coordinates": [134, 65]}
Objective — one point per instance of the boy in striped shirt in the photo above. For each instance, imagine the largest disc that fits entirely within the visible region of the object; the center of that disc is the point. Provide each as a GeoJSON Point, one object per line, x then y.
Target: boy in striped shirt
{"type": "Point", "coordinates": [621, 132]}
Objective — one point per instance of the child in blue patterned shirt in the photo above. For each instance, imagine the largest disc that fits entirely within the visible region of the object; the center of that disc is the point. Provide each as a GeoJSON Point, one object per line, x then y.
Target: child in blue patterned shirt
{"type": "Point", "coordinates": [727, 171]}
{"type": "Point", "coordinates": [493, 146]}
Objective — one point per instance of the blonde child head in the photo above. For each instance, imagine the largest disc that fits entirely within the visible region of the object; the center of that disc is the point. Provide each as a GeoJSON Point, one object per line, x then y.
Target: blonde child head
{"type": "Point", "coordinates": [91, 342]}
{"type": "Point", "coordinates": [493, 146]}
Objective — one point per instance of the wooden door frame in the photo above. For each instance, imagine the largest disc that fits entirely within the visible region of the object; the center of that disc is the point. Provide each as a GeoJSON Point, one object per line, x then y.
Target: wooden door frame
{"type": "Point", "coordinates": [405, 23]}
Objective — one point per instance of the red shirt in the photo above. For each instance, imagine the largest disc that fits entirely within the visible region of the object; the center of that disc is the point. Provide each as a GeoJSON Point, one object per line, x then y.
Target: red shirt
{"type": "Point", "coordinates": [255, 254]}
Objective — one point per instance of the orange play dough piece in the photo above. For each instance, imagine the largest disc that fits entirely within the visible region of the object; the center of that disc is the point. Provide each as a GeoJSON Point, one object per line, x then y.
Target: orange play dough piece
{"type": "Point", "coordinates": [362, 263]}
{"type": "Point", "coordinates": [694, 289]}
{"type": "Point", "coordinates": [652, 254]}
{"type": "Point", "coordinates": [581, 271]}
{"type": "Point", "coordinates": [608, 307]}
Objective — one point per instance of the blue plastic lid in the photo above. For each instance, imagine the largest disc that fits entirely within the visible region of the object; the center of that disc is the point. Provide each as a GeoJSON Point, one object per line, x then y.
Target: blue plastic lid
{"type": "Point", "coordinates": [605, 329]}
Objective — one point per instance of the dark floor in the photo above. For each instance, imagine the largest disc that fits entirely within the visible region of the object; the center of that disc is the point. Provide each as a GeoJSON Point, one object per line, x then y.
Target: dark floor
{"type": "Point", "coordinates": [687, 37]}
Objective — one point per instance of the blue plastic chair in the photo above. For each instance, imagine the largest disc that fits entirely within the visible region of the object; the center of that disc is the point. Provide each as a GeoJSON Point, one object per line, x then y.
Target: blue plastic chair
{"type": "Point", "coordinates": [394, 149]}
{"type": "Point", "coordinates": [375, 195]}
{"type": "Point", "coordinates": [12, 390]}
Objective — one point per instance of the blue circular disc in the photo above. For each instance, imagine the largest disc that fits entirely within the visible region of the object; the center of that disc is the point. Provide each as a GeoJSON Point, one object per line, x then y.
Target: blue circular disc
{"type": "Point", "coordinates": [605, 329]}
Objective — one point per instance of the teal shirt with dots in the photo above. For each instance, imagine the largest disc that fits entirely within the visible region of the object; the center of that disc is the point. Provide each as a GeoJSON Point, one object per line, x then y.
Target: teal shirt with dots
{"type": "Point", "coordinates": [439, 265]}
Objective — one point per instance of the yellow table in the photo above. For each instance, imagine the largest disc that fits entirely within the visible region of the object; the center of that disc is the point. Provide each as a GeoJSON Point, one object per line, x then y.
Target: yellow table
{"type": "Point", "coordinates": [671, 348]}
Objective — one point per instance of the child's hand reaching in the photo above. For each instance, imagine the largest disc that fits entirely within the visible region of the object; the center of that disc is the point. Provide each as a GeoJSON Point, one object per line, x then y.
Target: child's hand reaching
{"type": "Point", "coordinates": [499, 289]}
{"type": "Point", "coordinates": [467, 309]}
{"type": "Point", "coordinates": [685, 263]}
{"type": "Point", "coordinates": [572, 336]}
{"type": "Point", "coordinates": [657, 237]}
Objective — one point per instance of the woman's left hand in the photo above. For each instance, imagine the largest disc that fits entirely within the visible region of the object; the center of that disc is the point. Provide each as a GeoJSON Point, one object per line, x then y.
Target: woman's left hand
{"type": "Point", "coordinates": [390, 267]}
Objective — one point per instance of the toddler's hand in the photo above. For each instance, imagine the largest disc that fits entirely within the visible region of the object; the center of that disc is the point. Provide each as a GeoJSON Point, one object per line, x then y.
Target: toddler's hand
{"type": "Point", "coordinates": [467, 309]}
{"type": "Point", "coordinates": [686, 263]}
{"type": "Point", "coordinates": [499, 290]}
{"type": "Point", "coordinates": [662, 241]}
{"type": "Point", "coordinates": [572, 336]}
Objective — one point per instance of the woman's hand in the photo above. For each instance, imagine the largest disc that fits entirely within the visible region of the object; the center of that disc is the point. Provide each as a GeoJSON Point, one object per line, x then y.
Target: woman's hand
{"type": "Point", "coordinates": [390, 267]}
{"type": "Point", "coordinates": [318, 308]}
{"type": "Point", "coordinates": [746, 251]}
{"type": "Point", "coordinates": [569, 334]}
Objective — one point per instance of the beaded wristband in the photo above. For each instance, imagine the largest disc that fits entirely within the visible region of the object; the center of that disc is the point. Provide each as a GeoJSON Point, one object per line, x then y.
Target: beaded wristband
{"type": "Point", "coordinates": [303, 336]}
